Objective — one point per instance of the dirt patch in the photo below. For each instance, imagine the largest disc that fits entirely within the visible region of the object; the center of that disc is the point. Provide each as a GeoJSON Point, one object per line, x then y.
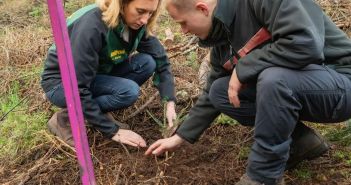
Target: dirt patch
{"type": "Point", "coordinates": [218, 158]}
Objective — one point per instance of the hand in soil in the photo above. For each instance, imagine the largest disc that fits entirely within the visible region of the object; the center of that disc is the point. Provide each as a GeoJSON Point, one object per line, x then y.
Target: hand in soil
{"type": "Point", "coordinates": [129, 137]}
{"type": "Point", "coordinates": [171, 113]}
{"type": "Point", "coordinates": [163, 145]}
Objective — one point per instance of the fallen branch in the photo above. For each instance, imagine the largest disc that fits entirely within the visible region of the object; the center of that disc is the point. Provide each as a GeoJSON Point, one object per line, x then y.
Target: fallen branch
{"type": "Point", "coordinates": [151, 99]}
{"type": "Point", "coordinates": [343, 25]}
{"type": "Point", "coordinates": [118, 174]}
{"type": "Point", "coordinates": [183, 46]}
{"type": "Point", "coordinates": [191, 41]}
{"type": "Point", "coordinates": [58, 142]}
{"type": "Point", "coordinates": [184, 52]}
{"type": "Point", "coordinates": [175, 47]}
{"type": "Point", "coordinates": [25, 177]}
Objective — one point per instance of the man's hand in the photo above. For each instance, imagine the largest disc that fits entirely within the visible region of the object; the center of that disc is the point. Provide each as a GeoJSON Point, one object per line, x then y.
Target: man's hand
{"type": "Point", "coordinates": [233, 89]}
{"type": "Point", "coordinates": [170, 113]}
{"type": "Point", "coordinates": [129, 137]}
{"type": "Point", "coordinates": [163, 145]}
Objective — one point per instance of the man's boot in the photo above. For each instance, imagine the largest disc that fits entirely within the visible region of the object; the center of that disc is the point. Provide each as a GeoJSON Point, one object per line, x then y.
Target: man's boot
{"type": "Point", "coordinates": [246, 180]}
{"type": "Point", "coordinates": [59, 125]}
{"type": "Point", "coordinates": [306, 144]}
{"type": "Point", "coordinates": [121, 125]}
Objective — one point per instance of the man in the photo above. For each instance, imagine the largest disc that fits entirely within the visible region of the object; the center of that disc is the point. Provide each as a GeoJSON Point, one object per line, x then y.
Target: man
{"type": "Point", "coordinates": [293, 64]}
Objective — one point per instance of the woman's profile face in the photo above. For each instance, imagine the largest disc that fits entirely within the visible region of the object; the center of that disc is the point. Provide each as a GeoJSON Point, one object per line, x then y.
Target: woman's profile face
{"type": "Point", "coordinates": [138, 12]}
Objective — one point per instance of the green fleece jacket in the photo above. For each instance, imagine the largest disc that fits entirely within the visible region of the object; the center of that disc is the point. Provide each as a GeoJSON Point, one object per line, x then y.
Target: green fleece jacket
{"type": "Point", "coordinates": [301, 35]}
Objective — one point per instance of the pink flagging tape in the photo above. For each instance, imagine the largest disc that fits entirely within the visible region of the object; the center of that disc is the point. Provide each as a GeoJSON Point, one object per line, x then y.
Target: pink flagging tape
{"type": "Point", "coordinates": [69, 80]}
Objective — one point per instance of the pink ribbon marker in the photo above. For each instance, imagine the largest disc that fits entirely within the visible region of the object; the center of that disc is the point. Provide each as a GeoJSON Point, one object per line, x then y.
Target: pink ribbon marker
{"type": "Point", "coordinates": [69, 80]}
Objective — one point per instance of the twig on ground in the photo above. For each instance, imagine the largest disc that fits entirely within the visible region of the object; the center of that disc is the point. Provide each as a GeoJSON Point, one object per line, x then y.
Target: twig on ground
{"type": "Point", "coordinates": [104, 143]}
{"type": "Point", "coordinates": [118, 174]}
{"type": "Point", "coordinates": [8, 112]}
{"type": "Point", "coordinates": [184, 52]}
{"type": "Point", "coordinates": [126, 149]}
{"type": "Point", "coordinates": [25, 177]}
{"type": "Point", "coordinates": [191, 41]}
{"type": "Point", "coordinates": [343, 25]}
{"type": "Point", "coordinates": [175, 47]}
{"type": "Point", "coordinates": [150, 100]}
{"type": "Point", "coordinates": [58, 145]}
{"type": "Point", "coordinates": [7, 55]}
{"type": "Point", "coordinates": [183, 46]}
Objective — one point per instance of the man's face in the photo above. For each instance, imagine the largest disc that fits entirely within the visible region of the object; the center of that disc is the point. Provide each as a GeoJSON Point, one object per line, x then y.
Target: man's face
{"type": "Point", "coordinates": [138, 12]}
{"type": "Point", "coordinates": [191, 21]}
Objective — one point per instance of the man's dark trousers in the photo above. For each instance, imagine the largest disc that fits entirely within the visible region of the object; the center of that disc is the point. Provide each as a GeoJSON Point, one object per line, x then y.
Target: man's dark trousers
{"type": "Point", "coordinates": [279, 99]}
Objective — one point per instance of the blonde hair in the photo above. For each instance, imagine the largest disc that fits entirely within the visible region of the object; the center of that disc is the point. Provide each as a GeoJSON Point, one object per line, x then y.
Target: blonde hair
{"type": "Point", "coordinates": [111, 9]}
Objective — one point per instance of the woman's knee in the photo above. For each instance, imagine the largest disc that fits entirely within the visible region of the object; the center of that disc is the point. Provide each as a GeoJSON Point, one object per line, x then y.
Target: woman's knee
{"type": "Point", "coordinates": [56, 96]}
{"type": "Point", "coordinates": [130, 93]}
{"type": "Point", "coordinates": [147, 62]}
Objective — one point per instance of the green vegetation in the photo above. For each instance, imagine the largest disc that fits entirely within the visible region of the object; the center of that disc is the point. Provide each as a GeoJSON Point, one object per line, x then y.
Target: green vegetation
{"type": "Point", "coordinates": [192, 61]}
{"type": "Point", "coordinates": [224, 119]}
{"type": "Point", "coordinates": [244, 152]}
{"type": "Point", "coordinates": [342, 136]}
{"type": "Point", "coordinates": [18, 128]}
{"type": "Point", "coordinates": [164, 129]}
{"type": "Point", "coordinates": [303, 173]}
{"type": "Point", "coordinates": [344, 156]}
{"type": "Point", "coordinates": [37, 11]}
{"type": "Point", "coordinates": [72, 6]}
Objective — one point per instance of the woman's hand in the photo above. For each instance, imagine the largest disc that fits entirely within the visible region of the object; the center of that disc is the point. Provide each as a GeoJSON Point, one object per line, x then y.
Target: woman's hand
{"type": "Point", "coordinates": [233, 89]}
{"type": "Point", "coordinates": [163, 145]}
{"type": "Point", "coordinates": [170, 113]}
{"type": "Point", "coordinates": [129, 137]}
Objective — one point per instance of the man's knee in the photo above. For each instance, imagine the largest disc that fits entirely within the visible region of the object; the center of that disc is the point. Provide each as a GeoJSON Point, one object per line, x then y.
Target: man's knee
{"type": "Point", "coordinates": [271, 82]}
{"type": "Point", "coordinates": [218, 96]}
{"type": "Point", "coordinates": [218, 93]}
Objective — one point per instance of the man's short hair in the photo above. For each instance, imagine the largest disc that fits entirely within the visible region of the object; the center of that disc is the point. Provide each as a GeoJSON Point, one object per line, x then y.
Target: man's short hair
{"type": "Point", "coordinates": [182, 5]}
{"type": "Point", "coordinates": [185, 5]}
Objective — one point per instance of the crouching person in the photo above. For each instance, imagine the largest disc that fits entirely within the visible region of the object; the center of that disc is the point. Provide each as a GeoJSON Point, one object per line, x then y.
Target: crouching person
{"type": "Point", "coordinates": [275, 63]}
{"type": "Point", "coordinates": [114, 53]}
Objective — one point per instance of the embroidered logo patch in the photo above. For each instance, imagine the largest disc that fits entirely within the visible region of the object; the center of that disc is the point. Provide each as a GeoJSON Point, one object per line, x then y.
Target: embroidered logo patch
{"type": "Point", "coordinates": [117, 54]}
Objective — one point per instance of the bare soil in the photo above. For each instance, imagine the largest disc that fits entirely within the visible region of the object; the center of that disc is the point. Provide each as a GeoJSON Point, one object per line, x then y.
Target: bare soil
{"type": "Point", "coordinates": [219, 157]}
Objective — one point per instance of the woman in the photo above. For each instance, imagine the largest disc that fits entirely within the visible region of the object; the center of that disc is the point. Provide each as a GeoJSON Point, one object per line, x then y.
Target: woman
{"type": "Point", "coordinates": [114, 54]}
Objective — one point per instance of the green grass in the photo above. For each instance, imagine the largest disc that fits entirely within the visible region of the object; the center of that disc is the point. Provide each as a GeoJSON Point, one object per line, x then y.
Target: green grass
{"type": "Point", "coordinates": [342, 136]}
{"type": "Point", "coordinates": [303, 173]}
{"type": "Point", "coordinates": [192, 61]}
{"type": "Point", "coordinates": [18, 130]}
{"type": "Point", "coordinates": [226, 120]}
{"type": "Point", "coordinates": [344, 156]}
{"type": "Point", "coordinates": [36, 11]}
{"type": "Point", "coordinates": [72, 6]}
{"type": "Point", "coordinates": [244, 152]}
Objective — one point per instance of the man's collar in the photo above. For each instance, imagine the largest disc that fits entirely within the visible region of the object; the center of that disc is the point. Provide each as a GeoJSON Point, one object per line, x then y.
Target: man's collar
{"type": "Point", "coordinates": [225, 11]}
{"type": "Point", "coordinates": [222, 18]}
